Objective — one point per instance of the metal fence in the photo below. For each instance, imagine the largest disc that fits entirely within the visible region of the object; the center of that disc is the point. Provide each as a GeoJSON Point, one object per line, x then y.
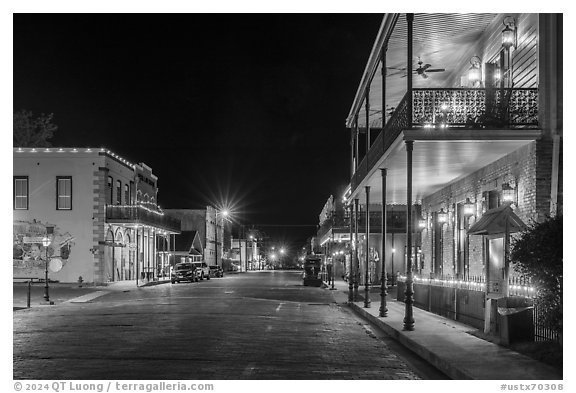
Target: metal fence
{"type": "Point", "coordinates": [464, 300]}
{"type": "Point", "coordinates": [541, 331]}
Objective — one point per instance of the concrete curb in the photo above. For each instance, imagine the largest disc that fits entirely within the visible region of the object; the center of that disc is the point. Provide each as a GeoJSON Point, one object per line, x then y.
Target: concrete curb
{"type": "Point", "coordinates": [445, 366]}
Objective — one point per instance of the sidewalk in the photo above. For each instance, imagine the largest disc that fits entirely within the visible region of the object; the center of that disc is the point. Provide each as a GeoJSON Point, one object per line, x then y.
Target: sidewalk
{"type": "Point", "coordinates": [446, 344]}
{"type": "Point", "coordinates": [69, 292]}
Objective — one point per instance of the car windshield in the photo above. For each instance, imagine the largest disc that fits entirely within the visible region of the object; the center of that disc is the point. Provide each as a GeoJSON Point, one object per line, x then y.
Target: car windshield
{"type": "Point", "coordinates": [184, 266]}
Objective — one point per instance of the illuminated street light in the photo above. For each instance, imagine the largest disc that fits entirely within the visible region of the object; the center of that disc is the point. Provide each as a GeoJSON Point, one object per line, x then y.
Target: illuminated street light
{"type": "Point", "coordinates": [223, 213]}
{"type": "Point", "coordinates": [46, 242]}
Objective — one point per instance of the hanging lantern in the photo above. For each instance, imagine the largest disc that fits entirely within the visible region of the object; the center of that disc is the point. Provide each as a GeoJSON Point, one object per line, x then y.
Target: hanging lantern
{"type": "Point", "coordinates": [421, 223]}
{"type": "Point", "coordinates": [509, 33]}
{"type": "Point", "coordinates": [475, 73]}
{"type": "Point", "coordinates": [46, 241]}
{"type": "Point", "coordinates": [442, 216]}
{"type": "Point", "coordinates": [469, 208]}
{"type": "Point", "coordinates": [508, 193]}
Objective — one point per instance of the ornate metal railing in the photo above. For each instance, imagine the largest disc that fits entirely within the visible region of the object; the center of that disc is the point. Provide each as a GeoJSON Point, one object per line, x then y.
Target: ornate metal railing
{"type": "Point", "coordinates": [475, 108]}
{"type": "Point", "coordinates": [136, 214]}
{"type": "Point", "coordinates": [454, 108]}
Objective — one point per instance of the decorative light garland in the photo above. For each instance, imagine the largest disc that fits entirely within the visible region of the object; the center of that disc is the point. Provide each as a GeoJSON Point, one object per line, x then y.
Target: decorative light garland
{"type": "Point", "coordinates": [139, 205]}
{"type": "Point", "coordinates": [75, 150]}
{"type": "Point", "coordinates": [472, 285]}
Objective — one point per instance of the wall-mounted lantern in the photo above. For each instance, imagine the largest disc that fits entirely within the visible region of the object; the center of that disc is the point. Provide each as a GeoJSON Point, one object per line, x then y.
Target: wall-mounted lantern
{"type": "Point", "coordinates": [469, 208]}
{"type": "Point", "coordinates": [421, 223]}
{"type": "Point", "coordinates": [508, 193]}
{"type": "Point", "coordinates": [442, 216]}
{"type": "Point", "coordinates": [475, 72]}
{"type": "Point", "coordinates": [509, 33]}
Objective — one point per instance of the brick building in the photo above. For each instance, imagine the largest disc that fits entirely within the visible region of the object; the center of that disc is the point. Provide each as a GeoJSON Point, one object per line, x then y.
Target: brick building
{"type": "Point", "coordinates": [455, 115]}
{"type": "Point", "coordinates": [205, 222]}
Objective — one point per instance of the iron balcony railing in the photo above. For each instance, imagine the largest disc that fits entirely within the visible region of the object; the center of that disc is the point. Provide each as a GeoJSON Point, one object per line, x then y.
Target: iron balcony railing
{"type": "Point", "coordinates": [458, 108]}
{"type": "Point", "coordinates": [137, 214]}
{"type": "Point", "coordinates": [395, 223]}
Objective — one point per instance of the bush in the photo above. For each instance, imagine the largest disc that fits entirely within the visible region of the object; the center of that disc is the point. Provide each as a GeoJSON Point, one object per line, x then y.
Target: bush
{"type": "Point", "coordinates": [537, 254]}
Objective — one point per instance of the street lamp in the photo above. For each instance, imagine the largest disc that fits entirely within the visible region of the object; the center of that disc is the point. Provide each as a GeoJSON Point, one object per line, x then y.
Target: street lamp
{"type": "Point", "coordinates": [225, 214]}
{"type": "Point", "coordinates": [46, 242]}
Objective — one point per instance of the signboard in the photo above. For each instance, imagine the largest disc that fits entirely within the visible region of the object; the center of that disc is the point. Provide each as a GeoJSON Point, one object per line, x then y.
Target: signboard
{"type": "Point", "coordinates": [35, 239]}
{"type": "Point", "coordinates": [55, 265]}
{"type": "Point", "coordinates": [29, 253]}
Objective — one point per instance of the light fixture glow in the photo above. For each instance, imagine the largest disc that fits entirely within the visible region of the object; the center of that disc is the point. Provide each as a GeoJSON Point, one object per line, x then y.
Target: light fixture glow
{"type": "Point", "coordinates": [475, 72]}
{"type": "Point", "coordinates": [469, 208]}
{"type": "Point", "coordinates": [442, 216]}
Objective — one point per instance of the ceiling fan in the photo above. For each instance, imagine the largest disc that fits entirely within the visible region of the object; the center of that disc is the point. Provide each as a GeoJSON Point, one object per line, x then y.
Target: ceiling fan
{"type": "Point", "coordinates": [422, 70]}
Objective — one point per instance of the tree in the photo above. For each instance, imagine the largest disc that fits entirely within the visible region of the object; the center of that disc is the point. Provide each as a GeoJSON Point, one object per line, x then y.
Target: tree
{"type": "Point", "coordinates": [30, 131]}
{"type": "Point", "coordinates": [537, 254]}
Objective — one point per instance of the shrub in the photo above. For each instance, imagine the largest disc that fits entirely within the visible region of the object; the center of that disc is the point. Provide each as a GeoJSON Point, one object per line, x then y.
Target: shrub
{"type": "Point", "coordinates": [537, 254]}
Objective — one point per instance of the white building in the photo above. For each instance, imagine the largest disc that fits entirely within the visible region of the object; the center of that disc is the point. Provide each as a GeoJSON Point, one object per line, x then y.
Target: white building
{"type": "Point", "coordinates": [99, 211]}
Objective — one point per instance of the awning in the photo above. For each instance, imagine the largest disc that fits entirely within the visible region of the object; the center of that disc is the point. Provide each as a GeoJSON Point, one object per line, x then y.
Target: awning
{"type": "Point", "coordinates": [494, 222]}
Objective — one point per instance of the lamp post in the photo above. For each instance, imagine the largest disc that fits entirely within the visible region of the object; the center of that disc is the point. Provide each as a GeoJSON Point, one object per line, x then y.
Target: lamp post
{"type": "Point", "coordinates": [225, 214]}
{"type": "Point", "coordinates": [46, 242]}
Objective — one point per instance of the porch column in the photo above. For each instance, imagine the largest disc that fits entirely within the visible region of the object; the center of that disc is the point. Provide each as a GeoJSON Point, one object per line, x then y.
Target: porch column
{"type": "Point", "coordinates": [148, 259]}
{"type": "Point", "coordinates": [368, 140]}
{"type": "Point", "coordinates": [143, 252]}
{"type": "Point", "coordinates": [409, 299]}
{"type": "Point", "coordinates": [352, 158]}
{"type": "Point", "coordinates": [351, 271]}
{"type": "Point", "coordinates": [333, 256]}
{"type": "Point", "coordinates": [113, 257]}
{"type": "Point", "coordinates": [154, 249]}
{"type": "Point", "coordinates": [410, 20]}
{"type": "Point", "coordinates": [356, 136]}
{"type": "Point", "coordinates": [383, 59]}
{"type": "Point", "coordinates": [356, 259]}
{"type": "Point", "coordinates": [137, 256]}
{"type": "Point", "coordinates": [367, 250]}
{"type": "Point", "coordinates": [383, 306]}
{"type": "Point", "coordinates": [506, 286]}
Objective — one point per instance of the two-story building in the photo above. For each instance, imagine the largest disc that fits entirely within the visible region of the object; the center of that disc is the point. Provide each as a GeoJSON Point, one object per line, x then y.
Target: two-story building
{"type": "Point", "coordinates": [209, 224]}
{"type": "Point", "coordinates": [98, 211]}
{"type": "Point", "coordinates": [456, 115]}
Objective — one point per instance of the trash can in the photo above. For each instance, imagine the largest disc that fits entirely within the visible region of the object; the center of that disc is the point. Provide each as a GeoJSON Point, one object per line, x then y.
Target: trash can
{"type": "Point", "coordinates": [516, 319]}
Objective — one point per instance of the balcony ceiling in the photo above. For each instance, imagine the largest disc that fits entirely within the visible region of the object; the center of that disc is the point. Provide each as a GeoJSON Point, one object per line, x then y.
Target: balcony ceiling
{"type": "Point", "coordinates": [438, 161]}
{"type": "Point", "coordinates": [442, 40]}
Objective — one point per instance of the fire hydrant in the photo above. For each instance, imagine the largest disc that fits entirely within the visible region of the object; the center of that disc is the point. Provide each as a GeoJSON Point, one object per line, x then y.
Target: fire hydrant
{"type": "Point", "coordinates": [80, 281]}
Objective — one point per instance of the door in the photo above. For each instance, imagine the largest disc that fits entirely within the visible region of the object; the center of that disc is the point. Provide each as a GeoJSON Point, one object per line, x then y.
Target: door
{"type": "Point", "coordinates": [438, 246]}
{"type": "Point", "coordinates": [495, 265]}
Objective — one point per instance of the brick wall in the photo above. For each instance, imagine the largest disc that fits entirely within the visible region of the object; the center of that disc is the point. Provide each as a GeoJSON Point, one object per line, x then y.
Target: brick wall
{"type": "Point", "coordinates": [98, 222]}
{"type": "Point", "coordinates": [529, 167]}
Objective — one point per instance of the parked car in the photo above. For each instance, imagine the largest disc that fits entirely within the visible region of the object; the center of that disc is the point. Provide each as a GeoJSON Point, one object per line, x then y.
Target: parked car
{"type": "Point", "coordinates": [216, 271]}
{"type": "Point", "coordinates": [202, 270]}
{"type": "Point", "coordinates": [183, 272]}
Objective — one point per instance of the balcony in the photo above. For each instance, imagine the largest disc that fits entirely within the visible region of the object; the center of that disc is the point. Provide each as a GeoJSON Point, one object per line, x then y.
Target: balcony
{"type": "Point", "coordinates": [454, 109]}
{"type": "Point", "coordinates": [340, 223]}
{"type": "Point", "coordinates": [140, 215]}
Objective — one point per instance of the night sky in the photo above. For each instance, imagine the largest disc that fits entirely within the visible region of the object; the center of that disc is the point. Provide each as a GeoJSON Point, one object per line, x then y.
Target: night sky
{"type": "Point", "coordinates": [245, 111]}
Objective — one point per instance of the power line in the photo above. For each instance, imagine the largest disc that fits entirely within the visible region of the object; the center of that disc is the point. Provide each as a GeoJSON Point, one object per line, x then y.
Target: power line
{"type": "Point", "coordinates": [284, 225]}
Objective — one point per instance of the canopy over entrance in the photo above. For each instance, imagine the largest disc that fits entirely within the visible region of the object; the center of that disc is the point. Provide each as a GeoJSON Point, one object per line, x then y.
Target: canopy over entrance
{"type": "Point", "coordinates": [494, 222]}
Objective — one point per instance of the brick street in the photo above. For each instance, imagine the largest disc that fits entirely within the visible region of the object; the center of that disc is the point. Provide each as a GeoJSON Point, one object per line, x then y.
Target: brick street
{"type": "Point", "coordinates": [253, 326]}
